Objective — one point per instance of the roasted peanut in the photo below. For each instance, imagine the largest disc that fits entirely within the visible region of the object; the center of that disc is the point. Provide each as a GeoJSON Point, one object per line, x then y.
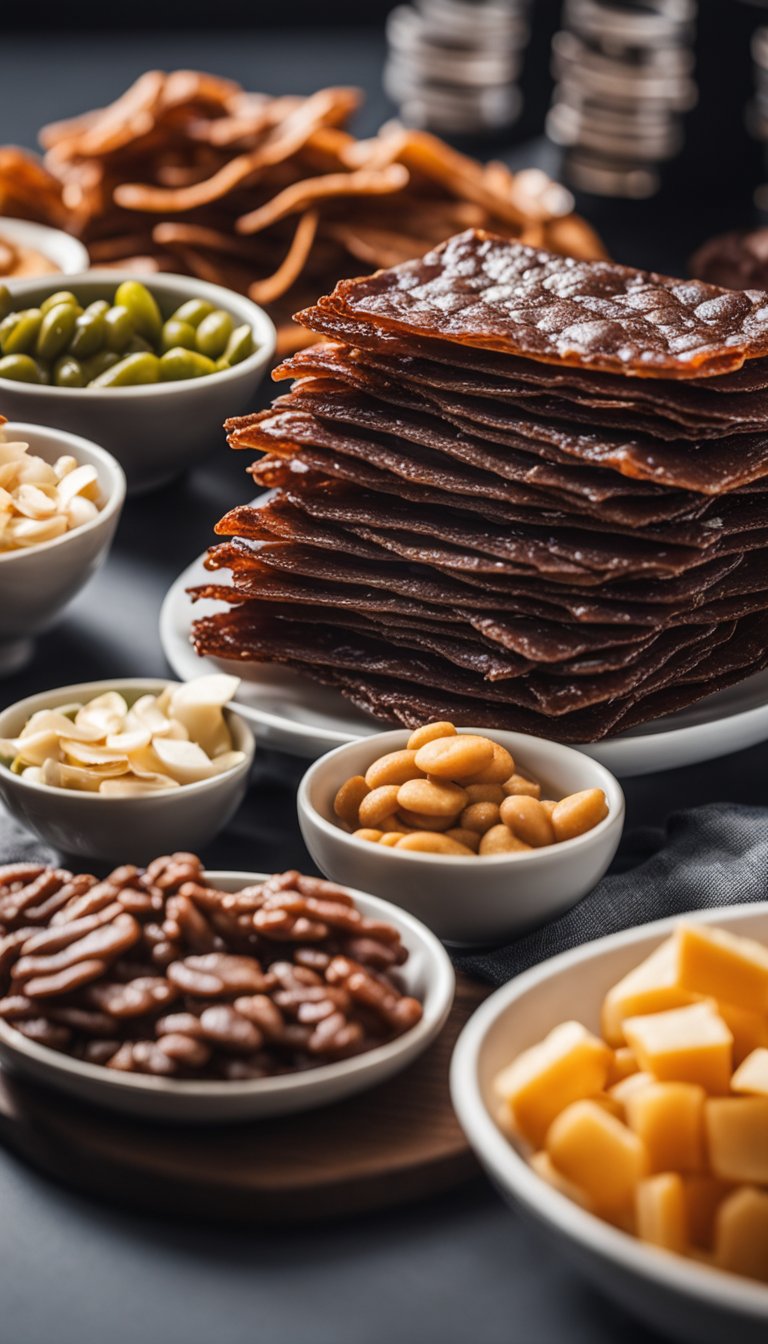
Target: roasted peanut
{"type": "Point", "coordinates": [391, 838]}
{"type": "Point", "coordinates": [499, 768]}
{"type": "Point", "coordinates": [394, 768]}
{"type": "Point", "coordinates": [484, 793]}
{"type": "Point", "coordinates": [432, 797]}
{"type": "Point", "coordinates": [464, 837]}
{"type": "Point", "coordinates": [430, 842]}
{"type": "Point", "coordinates": [549, 806]}
{"type": "Point", "coordinates": [368, 833]}
{"type": "Point", "coordinates": [347, 802]}
{"type": "Point", "coordinates": [417, 821]}
{"type": "Point", "coordinates": [378, 805]}
{"type": "Point", "coordinates": [500, 840]}
{"type": "Point", "coordinates": [519, 784]}
{"type": "Point", "coordinates": [528, 819]}
{"type": "Point", "coordinates": [578, 813]}
{"type": "Point", "coordinates": [428, 733]}
{"type": "Point", "coordinates": [480, 817]}
{"type": "Point", "coordinates": [457, 757]}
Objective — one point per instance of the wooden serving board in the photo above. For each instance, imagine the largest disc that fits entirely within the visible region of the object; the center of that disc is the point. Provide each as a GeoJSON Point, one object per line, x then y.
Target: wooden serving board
{"type": "Point", "coordinates": [399, 1142]}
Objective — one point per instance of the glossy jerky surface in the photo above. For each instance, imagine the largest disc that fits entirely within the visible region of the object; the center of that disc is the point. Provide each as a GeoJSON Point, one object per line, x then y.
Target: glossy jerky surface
{"type": "Point", "coordinates": [481, 290]}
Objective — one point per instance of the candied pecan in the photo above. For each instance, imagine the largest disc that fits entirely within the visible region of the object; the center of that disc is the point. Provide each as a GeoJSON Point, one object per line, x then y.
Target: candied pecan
{"type": "Point", "coordinates": [184, 1049]}
{"type": "Point", "coordinates": [217, 973]}
{"type": "Point", "coordinates": [104, 942]}
{"type": "Point", "coordinates": [223, 1024]}
{"type": "Point", "coordinates": [63, 981]}
{"type": "Point", "coordinates": [134, 998]}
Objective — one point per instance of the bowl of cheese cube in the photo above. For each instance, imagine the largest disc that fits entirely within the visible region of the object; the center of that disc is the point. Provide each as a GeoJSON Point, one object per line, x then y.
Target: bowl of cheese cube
{"type": "Point", "coordinates": [618, 1094]}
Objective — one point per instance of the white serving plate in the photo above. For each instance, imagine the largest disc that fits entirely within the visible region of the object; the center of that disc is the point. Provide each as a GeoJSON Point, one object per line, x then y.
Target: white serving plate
{"type": "Point", "coordinates": [427, 974]}
{"type": "Point", "coordinates": [299, 716]}
{"type": "Point", "coordinates": [680, 1297]}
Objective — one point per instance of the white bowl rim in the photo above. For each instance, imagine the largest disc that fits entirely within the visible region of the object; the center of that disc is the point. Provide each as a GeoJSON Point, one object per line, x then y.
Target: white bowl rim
{"type": "Point", "coordinates": [261, 323]}
{"type": "Point", "coordinates": [515, 1175]}
{"type": "Point", "coordinates": [112, 504]}
{"type": "Point", "coordinates": [388, 853]}
{"type": "Point", "coordinates": [38, 236]}
{"type": "Point", "coordinates": [442, 981]}
{"type": "Point", "coordinates": [150, 685]}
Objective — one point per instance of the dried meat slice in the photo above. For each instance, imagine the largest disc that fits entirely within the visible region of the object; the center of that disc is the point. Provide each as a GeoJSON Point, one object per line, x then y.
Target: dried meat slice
{"type": "Point", "coordinates": [482, 290]}
{"type": "Point", "coordinates": [700, 467]}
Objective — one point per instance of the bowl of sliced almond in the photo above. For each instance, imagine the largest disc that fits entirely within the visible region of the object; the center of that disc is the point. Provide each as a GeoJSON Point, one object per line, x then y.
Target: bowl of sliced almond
{"type": "Point", "coordinates": [106, 768]}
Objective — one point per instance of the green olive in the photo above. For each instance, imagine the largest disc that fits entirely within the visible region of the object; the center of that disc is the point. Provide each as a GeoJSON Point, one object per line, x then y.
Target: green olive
{"type": "Point", "coordinates": [136, 345]}
{"type": "Point", "coordinates": [21, 337]}
{"type": "Point", "coordinates": [193, 311]}
{"type": "Point", "coordinates": [142, 306]}
{"type": "Point", "coordinates": [61, 296]}
{"type": "Point", "coordinates": [68, 372]}
{"type": "Point", "coordinates": [178, 364]}
{"type": "Point", "coordinates": [56, 331]}
{"type": "Point", "coordinates": [101, 306]}
{"type": "Point", "coordinates": [7, 325]}
{"type": "Point", "coordinates": [6, 302]}
{"type": "Point", "coordinates": [105, 359]}
{"type": "Point", "coordinates": [141, 367]}
{"type": "Point", "coordinates": [21, 368]}
{"type": "Point", "coordinates": [120, 327]}
{"type": "Point", "coordinates": [89, 336]}
{"type": "Point", "coordinates": [239, 346]}
{"type": "Point", "coordinates": [214, 332]}
{"type": "Point", "coordinates": [176, 332]}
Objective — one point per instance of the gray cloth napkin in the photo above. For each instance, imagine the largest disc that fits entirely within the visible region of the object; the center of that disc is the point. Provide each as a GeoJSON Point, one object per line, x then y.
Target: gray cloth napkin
{"type": "Point", "coordinates": [708, 856]}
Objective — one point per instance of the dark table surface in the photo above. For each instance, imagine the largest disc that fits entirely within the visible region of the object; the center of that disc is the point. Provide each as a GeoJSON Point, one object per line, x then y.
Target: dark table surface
{"type": "Point", "coordinates": [455, 1268]}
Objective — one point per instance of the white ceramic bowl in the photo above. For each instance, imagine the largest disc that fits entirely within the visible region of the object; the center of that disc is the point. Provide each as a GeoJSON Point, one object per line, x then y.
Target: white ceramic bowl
{"type": "Point", "coordinates": [37, 583]}
{"type": "Point", "coordinates": [122, 830]}
{"type": "Point", "coordinates": [465, 900]}
{"type": "Point", "coordinates": [677, 1296]}
{"type": "Point", "coordinates": [65, 252]}
{"type": "Point", "coordinates": [159, 430]}
{"type": "Point", "coordinates": [427, 974]}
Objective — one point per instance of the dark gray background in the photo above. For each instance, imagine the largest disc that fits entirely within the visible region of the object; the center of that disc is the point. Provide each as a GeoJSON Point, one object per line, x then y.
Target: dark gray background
{"type": "Point", "coordinates": [456, 1268]}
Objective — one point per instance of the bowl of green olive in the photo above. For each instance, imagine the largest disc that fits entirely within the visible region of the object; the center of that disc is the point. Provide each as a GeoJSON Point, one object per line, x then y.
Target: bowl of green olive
{"type": "Point", "coordinates": [150, 368]}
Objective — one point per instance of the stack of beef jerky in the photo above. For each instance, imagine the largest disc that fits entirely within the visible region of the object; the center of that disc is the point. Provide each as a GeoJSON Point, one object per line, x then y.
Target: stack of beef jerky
{"type": "Point", "coordinates": [512, 490]}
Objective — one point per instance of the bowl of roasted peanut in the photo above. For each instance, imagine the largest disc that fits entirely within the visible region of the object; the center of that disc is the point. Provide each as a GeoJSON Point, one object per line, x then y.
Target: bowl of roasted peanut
{"type": "Point", "coordinates": [480, 835]}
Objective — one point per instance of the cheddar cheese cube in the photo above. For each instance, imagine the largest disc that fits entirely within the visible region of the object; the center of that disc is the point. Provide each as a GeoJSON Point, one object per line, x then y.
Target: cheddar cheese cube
{"type": "Point", "coordinates": [752, 1074]}
{"type": "Point", "coordinates": [628, 1087]}
{"type": "Point", "coordinates": [741, 1233]}
{"type": "Point", "coordinates": [623, 1065]}
{"type": "Point", "coordinates": [543, 1165]}
{"type": "Point", "coordinates": [660, 1212]}
{"type": "Point", "coordinates": [737, 1138]}
{"type": "Point", "coordinates": [749, 1030]}
{"type": "Point", "coordinates": [669, 1119]}
{"type": "Point", "coordinates": [597, 1153]}
{"type": "Point", "coordinates": [722, 965]}
{"type": "Point", "coordinates": [568, 1064]}
{"type": "Point", "coordinates": [703, 1196]}
{"type": "Point", "coordinates": [650, 987]}
{"type": "Point", "coordinates": [685, 1045]}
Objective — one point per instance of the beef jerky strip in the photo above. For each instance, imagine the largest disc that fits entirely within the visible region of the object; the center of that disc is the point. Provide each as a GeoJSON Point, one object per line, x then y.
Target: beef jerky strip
{"type": "Point", "coordinates": [284, 642]}
{"type": "Point", "coordinates": [703, 469]}
{"type": "Point", "coordinates": [482, 290]}
{"type": "Point", "coordinates": [317, 468]}
{"type": "Point", "coordinates": [685, 411]}
{"type": "Point", "coordinates": [425, 457]}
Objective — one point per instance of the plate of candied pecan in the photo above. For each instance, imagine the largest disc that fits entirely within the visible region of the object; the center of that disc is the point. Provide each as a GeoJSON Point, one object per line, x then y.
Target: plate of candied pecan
{"type": "Point", "coordinates": [179, 994]}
